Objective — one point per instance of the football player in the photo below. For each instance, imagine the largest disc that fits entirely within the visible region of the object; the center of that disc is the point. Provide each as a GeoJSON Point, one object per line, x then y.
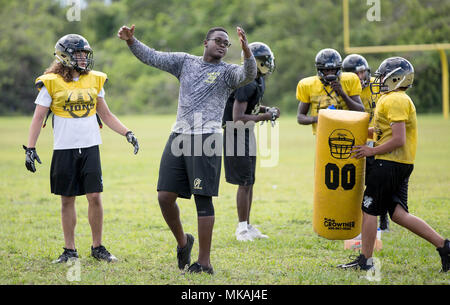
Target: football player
{"type": "Point", "coordinates": [74, 93]}
{"type": "Point", "coordinates": [395, 130]}
{"type": "Point", "coordinates": [330, 88]}
{"type": "Point", "coordinates": [357, 64]}
{"type": "Point", "coordinates": [244, 105]}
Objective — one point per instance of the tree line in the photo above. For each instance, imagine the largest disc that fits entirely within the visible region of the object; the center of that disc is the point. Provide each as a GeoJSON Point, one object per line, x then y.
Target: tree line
{"type": "Point", "coordinates": [295, 30]}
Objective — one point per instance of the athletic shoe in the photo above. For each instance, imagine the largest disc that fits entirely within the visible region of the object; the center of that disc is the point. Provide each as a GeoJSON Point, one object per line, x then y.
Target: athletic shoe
{"type": "Point", "coordinates": [67, 255]}
{"type": "Point", "coordinates": [255, 233]}
{"type": "Point", "coordinates": [384, 223]}
{"type": "Point", "coordinates": [101, 253]}
{"type": "Point", "coordinates": [197, 268]}
{"type": "Point", "coordinates": [184, 254]}
{"type": "Point", "coordinates": [444, 252]}
{"type": "Point", "coordinates": [243, 234]}
{"type": "Point", "coordinates": [361, 262]}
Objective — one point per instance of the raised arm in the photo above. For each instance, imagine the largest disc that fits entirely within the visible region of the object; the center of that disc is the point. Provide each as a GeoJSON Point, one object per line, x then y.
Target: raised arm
{"type": "Point", "coordinates": [170, 62]}
{"type": "Point", "coordinates": [243, 75]}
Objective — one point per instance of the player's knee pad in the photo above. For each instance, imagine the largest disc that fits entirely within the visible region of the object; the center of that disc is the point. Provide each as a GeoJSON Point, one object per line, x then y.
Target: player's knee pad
{"type": "Point", "coordinates": [204, 205]}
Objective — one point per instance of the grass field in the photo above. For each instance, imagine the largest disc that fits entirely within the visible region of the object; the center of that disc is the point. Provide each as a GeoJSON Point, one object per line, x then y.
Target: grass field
{"type": "Point", "coordinates": [134, 230]}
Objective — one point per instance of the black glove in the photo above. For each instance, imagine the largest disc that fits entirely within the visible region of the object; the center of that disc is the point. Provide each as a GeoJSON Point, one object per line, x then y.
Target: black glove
{"type": "Point", "coordinates": [275, 114]}
{"type": "Point", "coordinates": [133, 140]}
{"type": "Point", "coordinates": [31, 155]}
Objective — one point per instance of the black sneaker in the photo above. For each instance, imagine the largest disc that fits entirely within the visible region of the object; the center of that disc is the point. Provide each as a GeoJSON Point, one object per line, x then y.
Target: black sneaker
{"type": "Point", "coordinates": [184, 254]}
{"type": "Point", "coordinates": [67, 254]}
{"type": "Point", "coordinates": [359, 263]}
{"type": "Point", "coordinates": [444, 252]}
{"type": "Point", "coordinates": [384, 223]}
{"type": "Point", "coordinates": [197, 268]}
{"type": "Point", "coordinates": [101, 253]}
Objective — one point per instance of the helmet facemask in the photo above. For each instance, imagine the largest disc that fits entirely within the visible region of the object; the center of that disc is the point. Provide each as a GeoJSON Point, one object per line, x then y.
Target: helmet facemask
{"type": "Point", "coordinates": [327, 78]}
{"type": "Point", "coordinates": [365, 80]}
{"type": "Point", "coordinates": [265, 64]}
{"type": "Point", "coordinates": [74, 61]}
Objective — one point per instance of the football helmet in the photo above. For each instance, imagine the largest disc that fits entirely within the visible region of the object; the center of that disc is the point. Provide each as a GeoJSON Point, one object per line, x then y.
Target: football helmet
{"type": "Point", "coordinates": [328, 59]}
{"type": "Point", "coordinates": [356, 63]}
{"type": "Point", "coordinates": [393, 73]}
{"type": "Point", "coordinates": [341, 142]}
{"type": "Point", "coordinates": [265, 60]}
{"type": "Point", "coordinates": [65, 50]}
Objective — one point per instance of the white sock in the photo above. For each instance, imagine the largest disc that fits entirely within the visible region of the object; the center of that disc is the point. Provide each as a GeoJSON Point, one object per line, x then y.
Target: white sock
{"type": "Point", "coordinates": [242, 226]}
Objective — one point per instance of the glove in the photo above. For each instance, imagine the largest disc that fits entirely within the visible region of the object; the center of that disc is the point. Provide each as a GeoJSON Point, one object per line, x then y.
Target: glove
{"type": "Point", "coordinates": [275, 115]}
{"type": "Point", "coordinates": [31, 155]}
{"type": "Point", "coordinates": [133, 140]}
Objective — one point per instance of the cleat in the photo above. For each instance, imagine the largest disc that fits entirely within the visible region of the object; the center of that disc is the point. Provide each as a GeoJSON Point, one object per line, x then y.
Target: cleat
{"type": "Point", "coordinates": [68, 254]}
{"type": "Point", "coordinates": [243, 234]}
{"type": "Point", "coordinates": [255, 233]}
{"type": "Point", "coordinates": [101, 253]}
{"type": "Point", "coordinates": [361, 262]}
{"type": "Point", "coordinates": [384, 223]}
{"type": "Point", "coordinates": [444, 252]}
{"type": "Point", "coordinates": [184, 254]}
{"type": "Point", "coordinates": [197, 268]}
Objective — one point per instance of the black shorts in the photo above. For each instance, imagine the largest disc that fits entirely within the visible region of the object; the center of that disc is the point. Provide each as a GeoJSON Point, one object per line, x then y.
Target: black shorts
{"type": "Point", "coordinates": [240, 166]}
{"type": "Point", "coordinates": [370, 161]}
{"type": "Point", "coordinates": [76, 172]}
{"type": "Point", "coordinates": [191, 170]}
{"type": "Point", "coordinates": [387, 186]}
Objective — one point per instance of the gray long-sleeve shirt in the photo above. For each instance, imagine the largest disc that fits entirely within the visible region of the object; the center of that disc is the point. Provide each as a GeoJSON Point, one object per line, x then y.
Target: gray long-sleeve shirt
{"type": "Point", "coordinates": [204, 87]}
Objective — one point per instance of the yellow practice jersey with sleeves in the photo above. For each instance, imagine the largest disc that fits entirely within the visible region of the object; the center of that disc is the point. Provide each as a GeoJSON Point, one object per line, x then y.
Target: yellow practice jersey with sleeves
{"type": "Point", "coordinates": [77, 99]}
{"type": "Point", "coordinates": [394, 107]}
{"type": "Point", "coordinates": [369, 101]}
{"type": "Point", "coordinates": [312, 91]}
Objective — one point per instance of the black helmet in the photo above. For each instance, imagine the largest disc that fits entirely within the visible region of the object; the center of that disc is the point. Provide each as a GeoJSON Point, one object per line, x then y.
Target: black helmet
{"type": "Point", "coordinates": [356, 63]}
{"type": "Point", "coordinates": [328, 59]}
{"type": "Point", "coordinates": [265, 60]}
{"type": "Point", "coordinates": [67, 46]}
{"type": "Point", "coordinates": [393, 73]}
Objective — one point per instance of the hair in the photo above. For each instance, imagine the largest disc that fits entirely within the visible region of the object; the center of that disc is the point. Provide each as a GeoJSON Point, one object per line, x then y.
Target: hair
{"type": "Point", "coordinates": [215, 29]}
{"type": "Point", "coordinates": [65, 72]}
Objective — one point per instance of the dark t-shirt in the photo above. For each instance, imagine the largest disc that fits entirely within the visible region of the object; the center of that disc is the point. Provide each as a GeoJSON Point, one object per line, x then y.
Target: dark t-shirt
{"type": "Point", "coordinates": [251, 93]}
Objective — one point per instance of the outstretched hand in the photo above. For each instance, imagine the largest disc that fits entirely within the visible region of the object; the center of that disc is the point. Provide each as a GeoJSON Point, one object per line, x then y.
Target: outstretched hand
{"type": "Point", "coordinates": [243, 41]}
{"type": "Point", "coordinates": [126, 33]}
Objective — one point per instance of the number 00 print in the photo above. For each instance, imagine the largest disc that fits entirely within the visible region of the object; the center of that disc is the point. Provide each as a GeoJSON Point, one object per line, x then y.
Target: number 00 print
{"type": "Point", "coordinates": [347, 176]}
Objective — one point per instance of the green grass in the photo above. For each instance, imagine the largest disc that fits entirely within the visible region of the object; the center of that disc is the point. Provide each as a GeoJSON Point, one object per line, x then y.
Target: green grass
{"type": "Point", "coordinates": [134, 230]}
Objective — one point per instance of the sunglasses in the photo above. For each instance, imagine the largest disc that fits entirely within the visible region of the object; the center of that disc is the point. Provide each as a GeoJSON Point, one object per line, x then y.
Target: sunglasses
{"type": "Point", "coordinates": [219, 42]}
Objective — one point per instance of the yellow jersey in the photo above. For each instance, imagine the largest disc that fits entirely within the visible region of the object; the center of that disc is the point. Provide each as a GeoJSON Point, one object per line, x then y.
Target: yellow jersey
{"type": "Point", "coordinates": [312, 91]}
{"type": "Point", "coordinates": [73, 99]}
{"type": "Point", "coordinates": [396, 106]}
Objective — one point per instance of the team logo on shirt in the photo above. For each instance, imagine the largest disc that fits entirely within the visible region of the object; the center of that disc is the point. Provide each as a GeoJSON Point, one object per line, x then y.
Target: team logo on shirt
{"type": "Point", "coordinates": [79, 103]}
{"type": "Point", "coordinates": [212, 77]}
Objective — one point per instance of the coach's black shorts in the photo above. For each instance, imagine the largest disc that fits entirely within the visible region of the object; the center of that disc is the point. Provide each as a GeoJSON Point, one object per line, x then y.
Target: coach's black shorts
{"type": "Point", "coordinates": [191, 170]}
{"type": "Point", "coordinates": [240, 166]}
{"type": "Point", "coordinates": [76, 172]}
{"type": "Point", "coordinates": [387, 186]}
